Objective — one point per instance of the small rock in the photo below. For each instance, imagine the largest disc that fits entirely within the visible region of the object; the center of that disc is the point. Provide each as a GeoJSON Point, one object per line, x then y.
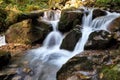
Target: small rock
{"type": "Point", "coordinates": [13, 66]}
{"type": "Point", "coordinates": [69, 19]}
{"type": "Point", "coordinates": [26, 70]}
{"type": "Point", "coordinates": [17, 78]}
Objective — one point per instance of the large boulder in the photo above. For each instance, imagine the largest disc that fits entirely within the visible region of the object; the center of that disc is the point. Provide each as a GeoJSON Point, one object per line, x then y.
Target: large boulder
{"type": "Point", "coordinates": [5, 58]}
{"type": "Point", "coordinates": [90, 65]}
{"type": "Point", "coordinates": [71, 39]}
{"type": "Point", "coordinates": [98, 13]}
{"type": "Point", "coordinates": [9, 17]}
{"type": "Point", "coordinates": [32, 15]}
{"type": "Point", "coordinates": [26, 33]}
{"type": "Point", "coordinates": [114, 28]}
{"type": "Point", "coordinates": [69, 19]}
{"type": "Point", "coordinates": [114, 25]}
{"type": "Point", "coordinates": [17, 16]}
{"type": "Point", "coordinates": [100, 40]}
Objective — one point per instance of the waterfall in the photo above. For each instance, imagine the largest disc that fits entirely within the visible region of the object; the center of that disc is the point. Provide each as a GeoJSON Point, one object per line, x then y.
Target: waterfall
{"type": "Point", "coordinates": [48, 59]}
{"type": "Point", "coordinates": [85, 32]}
{"type": "Point", "coordinates": [90, 26]}
{"type": "Point", "coordinates": [101, 23]}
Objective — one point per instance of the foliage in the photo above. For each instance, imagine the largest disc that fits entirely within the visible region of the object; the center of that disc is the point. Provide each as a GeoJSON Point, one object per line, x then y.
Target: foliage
{"type": "Point", "coordinates": [108, 1]}
{"type": "Point", "coordinates": [32, 7]}
{"type": "Point", "coordinates": [25, 5]}
{"type": "Point", "coordinates": [111, 73]}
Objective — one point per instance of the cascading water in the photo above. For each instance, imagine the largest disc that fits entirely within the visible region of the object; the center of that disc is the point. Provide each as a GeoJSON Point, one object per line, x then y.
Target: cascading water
{"type": "Point", "coordinates": [48, 59]}
{"type": "Point", "coordinates": [90, 26]}
{"type": "Point", "coordinates": [54, 37]}
{"type": "Point", "coordinates": [85, 32]}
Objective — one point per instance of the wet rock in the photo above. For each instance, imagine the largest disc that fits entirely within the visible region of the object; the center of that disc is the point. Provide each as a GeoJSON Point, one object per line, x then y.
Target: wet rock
{"type": "Point", "coordinates": [114, 25]}
{"type": "Point", "coordinates": [71, 39]}
{"type": "Point", "coordinates": [98, 13]}
{"type": "Point", "coordinates": [90, 65]}
{"type": "Point", "coordinates": [69, 19]}
{"type": "Point", "coordinates": [100, 40]}
{"type": "Point", "coordinates": [68, 69]}
{"type": "Point", "coordinates": [5, 58]}
{"type": "Point", "coordinates": [26, 32]}
{"type": "Point", "coordinates": [76, 67]}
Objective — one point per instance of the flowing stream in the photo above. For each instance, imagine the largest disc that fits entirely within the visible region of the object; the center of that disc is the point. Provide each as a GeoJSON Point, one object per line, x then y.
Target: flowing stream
{"type": "Point", "coordinates": [48, 59]}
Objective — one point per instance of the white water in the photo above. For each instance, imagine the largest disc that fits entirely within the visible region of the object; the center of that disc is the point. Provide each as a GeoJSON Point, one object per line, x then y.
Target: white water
{"type": "Point", "coordinates": [85, 32]}
{"type": "Point", "coordinates": [90, 26]}
{"type": "Point", "coordinates": [48, 59]}
{"type": "Point", "coordinates": [2, 40]}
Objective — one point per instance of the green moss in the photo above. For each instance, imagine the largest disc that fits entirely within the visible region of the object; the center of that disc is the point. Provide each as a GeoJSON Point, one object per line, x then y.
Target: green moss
{"type": "Point", "coordinates": [111, 72]}
{"type": "Point", "coordinates": [11, 18]}
{"type": "Point", "coordinates": [25, 5]}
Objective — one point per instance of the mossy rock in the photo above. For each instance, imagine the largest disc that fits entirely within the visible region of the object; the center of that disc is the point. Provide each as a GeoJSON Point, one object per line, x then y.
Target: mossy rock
{"type": "Point", "coordinates": [7, 18]}
{"type": "Point", "coordinates": [12, 17]}
{"type": "Point", "coordinates": [73, 65]}
{"type": "Point", "coordinates": [4, 58]}
{"type": "Point", "coordinates": [69, 19]}
{"type": "Point", "coordinates": [98, 64]}
{"type": "Point", "coordinates": [100, 40]}
{"type": "Point", "coordinates": [26, 32]}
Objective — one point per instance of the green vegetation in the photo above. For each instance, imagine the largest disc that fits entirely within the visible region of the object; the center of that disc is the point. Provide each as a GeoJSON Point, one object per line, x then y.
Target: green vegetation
{"type": "Point", "coordinates": [104, 4]}
{"type": "Point", "coordinates": [111, 73]}
{"type": "Point", "coordinates": [25, 5]}
{"type": "Point", "coordinates": [31, 5]}
{"type": "Point", "coordinates": [108, 1]}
